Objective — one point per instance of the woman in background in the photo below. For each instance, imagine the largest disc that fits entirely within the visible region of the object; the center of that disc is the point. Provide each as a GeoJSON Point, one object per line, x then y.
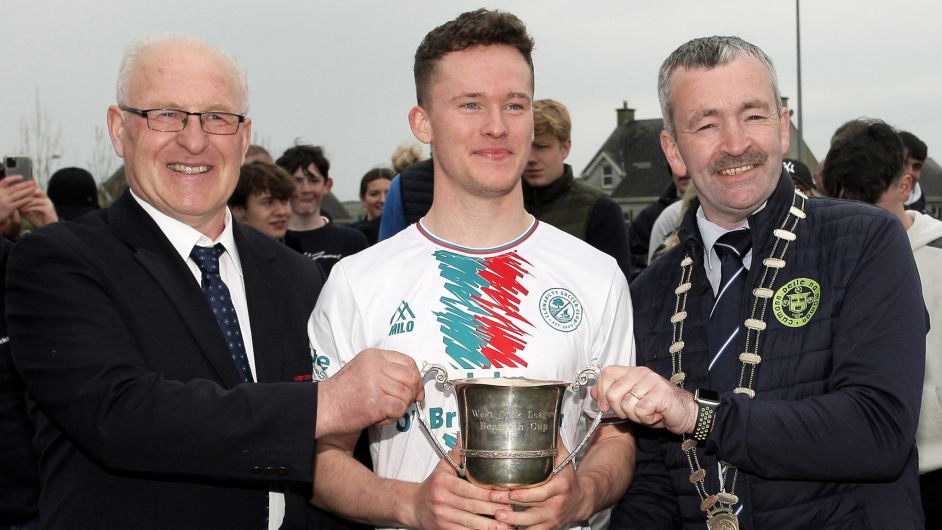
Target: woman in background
{"type": "Point", "coordinates": [373, 188]}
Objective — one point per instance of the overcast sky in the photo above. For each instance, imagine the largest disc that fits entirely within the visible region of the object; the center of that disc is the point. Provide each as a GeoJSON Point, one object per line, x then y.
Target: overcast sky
{"type": "Point", "coordinates": [339, 74]}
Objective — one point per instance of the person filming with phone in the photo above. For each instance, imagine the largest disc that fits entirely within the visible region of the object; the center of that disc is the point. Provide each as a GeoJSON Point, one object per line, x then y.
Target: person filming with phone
{"type": "Point", "coordinates": [21, 197]}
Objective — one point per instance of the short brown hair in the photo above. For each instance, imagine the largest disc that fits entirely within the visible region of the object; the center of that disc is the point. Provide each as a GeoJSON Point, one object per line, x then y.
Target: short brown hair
{"type": "Point", "coordinates": [259, 177]}
{"type": "Point", "coordinates": [865, 159]}
{"type": "Point", "coordinates": [551, 116]}
{"type": "Point", "coordinates": [482, 27]}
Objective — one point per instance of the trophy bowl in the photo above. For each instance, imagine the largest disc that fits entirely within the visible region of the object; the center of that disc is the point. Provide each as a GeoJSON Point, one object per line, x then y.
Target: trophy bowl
{"type": "Point", "coordinates": [509, 427]}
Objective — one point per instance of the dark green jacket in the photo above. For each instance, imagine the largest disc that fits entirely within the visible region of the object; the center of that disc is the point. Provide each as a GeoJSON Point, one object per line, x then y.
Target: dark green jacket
{"type": "Point", "coordinates": [582, 211]}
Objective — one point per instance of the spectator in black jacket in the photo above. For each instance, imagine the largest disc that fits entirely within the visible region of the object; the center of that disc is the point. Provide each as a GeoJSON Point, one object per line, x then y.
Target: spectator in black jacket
{"type": "Point", "coordinates": [309, 232]}
{"type": "Point", "coordinates": [19, 475]}
{"type": "Point", "coordinates": [639, 232]}
{"type": "Point", "coordinates": [374, 186]}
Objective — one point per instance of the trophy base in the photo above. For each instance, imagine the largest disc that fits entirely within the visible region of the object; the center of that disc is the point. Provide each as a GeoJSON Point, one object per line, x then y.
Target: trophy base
{"type": "Point", "coordinates": [508, 473]}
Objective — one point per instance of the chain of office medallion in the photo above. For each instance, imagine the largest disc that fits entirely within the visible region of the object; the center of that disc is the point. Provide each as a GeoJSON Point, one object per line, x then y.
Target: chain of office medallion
{"type": "Point", "coordinates": [723, 500]}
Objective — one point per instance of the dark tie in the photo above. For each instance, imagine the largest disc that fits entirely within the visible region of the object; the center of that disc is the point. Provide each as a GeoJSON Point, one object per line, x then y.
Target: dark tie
{"type": "Point", "coordinates": [726, 318]}
{"type": "Point", "coordinates": [217, 294]}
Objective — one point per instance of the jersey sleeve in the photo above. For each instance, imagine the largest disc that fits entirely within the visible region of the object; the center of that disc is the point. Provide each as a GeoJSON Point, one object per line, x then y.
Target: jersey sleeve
{"type": "Point", "coordinates": [334, 328]}
{"type": "Point", "coordinates": [614, 341]}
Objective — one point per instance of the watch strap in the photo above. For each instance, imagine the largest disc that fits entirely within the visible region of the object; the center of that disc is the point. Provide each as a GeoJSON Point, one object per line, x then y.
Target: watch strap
{"type": "Point", "coordinates": [705, 416]}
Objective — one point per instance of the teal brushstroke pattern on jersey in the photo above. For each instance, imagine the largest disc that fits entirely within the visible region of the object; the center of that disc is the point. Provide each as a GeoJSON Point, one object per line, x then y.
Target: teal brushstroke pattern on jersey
{"type": "Point", "coordinates": [480, 320]}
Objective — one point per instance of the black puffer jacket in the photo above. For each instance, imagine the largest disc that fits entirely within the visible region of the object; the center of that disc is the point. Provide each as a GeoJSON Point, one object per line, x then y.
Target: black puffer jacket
{"type": "Point", "coordinates": [828, 442]}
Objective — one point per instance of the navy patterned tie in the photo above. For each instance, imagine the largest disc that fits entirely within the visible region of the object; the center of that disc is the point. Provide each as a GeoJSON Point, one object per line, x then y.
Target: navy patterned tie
{"type": "Point", "coordinates": [726, 318]}
{"type": "Point", "coordinates": [220, 301]}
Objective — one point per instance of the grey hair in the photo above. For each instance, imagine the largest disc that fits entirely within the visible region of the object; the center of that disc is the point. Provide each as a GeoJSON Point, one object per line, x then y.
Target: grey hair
{"type": "Point", "coordinates": [137, 48]}
{"type": "Point", "coordinates": [707, 52]}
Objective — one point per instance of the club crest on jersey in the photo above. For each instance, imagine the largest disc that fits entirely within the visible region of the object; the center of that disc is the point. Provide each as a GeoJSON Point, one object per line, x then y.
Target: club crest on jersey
{"type": "Point", "coordinates": [402, 321]}
{"type": "Point", "coordinates": [561, 309]}
{"type": "Point", "coordinates": [796, 302]}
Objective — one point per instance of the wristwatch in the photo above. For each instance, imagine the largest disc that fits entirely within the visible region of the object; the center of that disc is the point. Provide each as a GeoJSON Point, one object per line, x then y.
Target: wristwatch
{"type": "Point", "coordinates": [707, 400]}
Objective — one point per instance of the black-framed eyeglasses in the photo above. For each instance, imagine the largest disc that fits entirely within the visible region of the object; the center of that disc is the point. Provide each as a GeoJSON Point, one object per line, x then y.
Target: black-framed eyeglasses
{"type": "Point", "coordinates": [174, 120]}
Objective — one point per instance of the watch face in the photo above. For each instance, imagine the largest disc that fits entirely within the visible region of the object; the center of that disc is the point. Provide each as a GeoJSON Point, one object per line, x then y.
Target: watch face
{"type": "Point", "coordinates": [707, 395]}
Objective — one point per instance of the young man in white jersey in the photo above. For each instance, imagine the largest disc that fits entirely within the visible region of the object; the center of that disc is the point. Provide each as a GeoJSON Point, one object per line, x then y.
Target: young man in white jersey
{"type": "Point", "coordinates": [481, 287]}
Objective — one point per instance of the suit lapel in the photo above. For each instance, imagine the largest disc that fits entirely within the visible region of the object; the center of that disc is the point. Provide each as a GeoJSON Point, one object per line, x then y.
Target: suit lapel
{"type": "Point", "coordinates": [158, 257]}
{"type": "Point", "coordinates": [261, 289]}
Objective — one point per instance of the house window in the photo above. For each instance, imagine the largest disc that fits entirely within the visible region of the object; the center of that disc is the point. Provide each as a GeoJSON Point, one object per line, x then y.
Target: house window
{"type": "Point", "coordinates": [607, 176]}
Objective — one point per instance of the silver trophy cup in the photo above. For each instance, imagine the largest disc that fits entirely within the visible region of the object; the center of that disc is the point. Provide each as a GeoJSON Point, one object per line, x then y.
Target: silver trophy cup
{"type": "Point", "coordinates": [509, 427]}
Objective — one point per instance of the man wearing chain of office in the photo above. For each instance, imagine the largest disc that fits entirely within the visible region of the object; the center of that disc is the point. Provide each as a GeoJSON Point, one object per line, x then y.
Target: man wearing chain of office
{"type": "Point", "coordinates": [780, 344]}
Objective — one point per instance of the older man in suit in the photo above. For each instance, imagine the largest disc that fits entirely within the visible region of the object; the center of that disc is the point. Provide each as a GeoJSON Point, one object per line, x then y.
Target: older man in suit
{"type": "Point", "coordinates": [164, 345]}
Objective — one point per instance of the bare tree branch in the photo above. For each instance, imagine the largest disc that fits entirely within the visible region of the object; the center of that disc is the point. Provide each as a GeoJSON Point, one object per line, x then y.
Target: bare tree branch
{"type": "Point", "coordinates": [42, 142]}
{"type": "Point", "coordinates": [103, 159]}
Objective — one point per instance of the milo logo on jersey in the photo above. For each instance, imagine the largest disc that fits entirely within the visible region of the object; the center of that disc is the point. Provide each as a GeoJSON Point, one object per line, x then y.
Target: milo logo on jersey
{"type": "Point", "coordinates": [480, 320]}
{"type": "Point", "coordinates": [403, 320]}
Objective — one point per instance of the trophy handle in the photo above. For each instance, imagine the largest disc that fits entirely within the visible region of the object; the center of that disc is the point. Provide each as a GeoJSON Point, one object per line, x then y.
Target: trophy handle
{"type": "Point", "coordinates": [441, 377]}
{"type": "Point", "coordinates": [582, 378]}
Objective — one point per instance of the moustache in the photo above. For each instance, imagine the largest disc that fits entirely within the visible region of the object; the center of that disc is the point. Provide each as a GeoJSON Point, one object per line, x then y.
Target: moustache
{"type": "Point", "coordinates": [748, 158]}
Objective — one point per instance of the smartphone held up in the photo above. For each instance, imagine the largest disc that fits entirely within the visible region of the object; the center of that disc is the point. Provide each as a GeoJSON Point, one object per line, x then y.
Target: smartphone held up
{"type": "Point", "coordinates": [18, 165]}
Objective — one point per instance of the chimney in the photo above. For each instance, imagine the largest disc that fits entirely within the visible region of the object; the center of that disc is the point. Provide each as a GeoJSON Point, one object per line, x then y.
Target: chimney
{"type": "Point", "coordinates": [624, 114]}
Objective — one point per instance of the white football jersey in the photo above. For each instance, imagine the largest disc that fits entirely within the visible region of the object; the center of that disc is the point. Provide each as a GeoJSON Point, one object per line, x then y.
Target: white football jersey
{"type": "Point", "coordinates": [543, 306]}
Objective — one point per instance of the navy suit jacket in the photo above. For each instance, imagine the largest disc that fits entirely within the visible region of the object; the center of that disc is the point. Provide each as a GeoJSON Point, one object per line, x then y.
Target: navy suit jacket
{"type": "Point", "coordinates": [141, 420]}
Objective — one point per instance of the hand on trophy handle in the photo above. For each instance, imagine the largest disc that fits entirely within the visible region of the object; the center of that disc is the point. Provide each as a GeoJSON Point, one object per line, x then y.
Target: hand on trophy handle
{"type": "Point", "coordinates": [553, 504]}
{"type": "Point", "coordinates": [445, 501]}
{"type": "Point", "coordinates": [642, 396]}
{"type": "Point", "coordinates": [377, 386]}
